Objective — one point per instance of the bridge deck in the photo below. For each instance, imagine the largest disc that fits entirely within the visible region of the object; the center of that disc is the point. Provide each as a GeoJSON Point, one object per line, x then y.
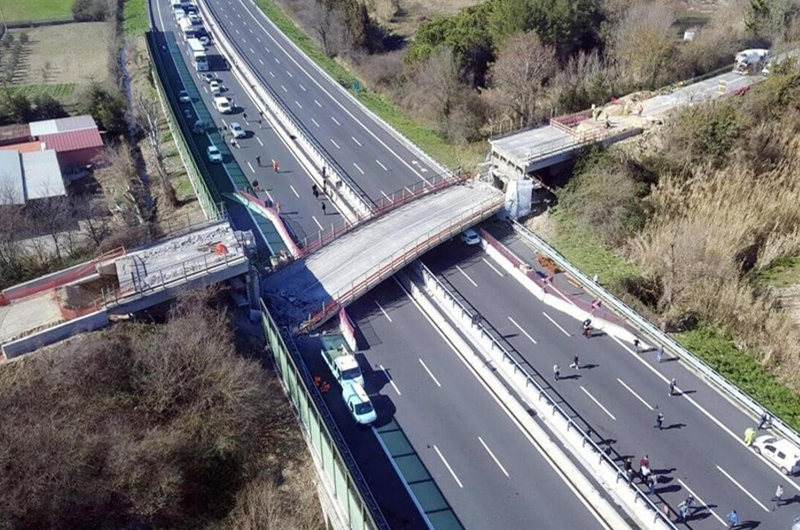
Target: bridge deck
{"type": "Point", "coordinates": [358, 260]}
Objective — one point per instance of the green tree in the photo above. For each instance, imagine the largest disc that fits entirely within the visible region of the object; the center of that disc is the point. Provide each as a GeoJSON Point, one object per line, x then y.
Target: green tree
{"type": "Point", "coordinates": [46, 107]}
{"type": "Point", "coordinates": [568, 25]}
{"type": "Point", "coordinates": [15, 108]}
{"type": "Point", "coordinates": [509, 17]}
{"type": "Point", "coordinates": [106, 106]}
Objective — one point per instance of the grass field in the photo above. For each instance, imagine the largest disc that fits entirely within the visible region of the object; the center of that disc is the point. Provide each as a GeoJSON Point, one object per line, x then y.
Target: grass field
{"type": "Point", "coordinates": [134, 16]}
{"type": "Point", "coordinates": [57, 91]}
{"type": "Point", "coordinates": [24, 10]}
{"type": "Point", "coordinates": [65, 54]}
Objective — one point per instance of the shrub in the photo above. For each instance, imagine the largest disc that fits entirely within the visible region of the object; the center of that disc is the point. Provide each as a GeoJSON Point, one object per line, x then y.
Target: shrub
{"type": "Point", "coordinates": [91, 10]}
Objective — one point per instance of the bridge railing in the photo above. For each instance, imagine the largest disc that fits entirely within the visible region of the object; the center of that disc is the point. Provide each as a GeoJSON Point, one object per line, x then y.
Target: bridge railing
{"type": "Point", "coordinates": [340, 474]}
{"type": "Point", "coordinates": [402, 257]}
{"type": "Point", "coordinates": [383, 206]}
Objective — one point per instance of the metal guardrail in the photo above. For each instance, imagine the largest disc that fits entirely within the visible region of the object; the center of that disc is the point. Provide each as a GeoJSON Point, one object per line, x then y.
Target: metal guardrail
{"type": "Point", "coordinates": [657, 335]}
{"type": "Point", "coordinates": [311, 409]}
{"type": "Point", "coordinates": [401, 258]}
{"type": "Point", "coordinates": [542, 394]}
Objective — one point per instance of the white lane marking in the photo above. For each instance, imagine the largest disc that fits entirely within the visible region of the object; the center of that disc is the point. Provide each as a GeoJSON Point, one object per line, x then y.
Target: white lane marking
{"type": "Point", "coordinates": [277, 60]}
{"type": "Point", "coordinates": [284, 88]}
{"type": "Point", "coordinates": [465, 276]}
{"type": "Point", "coordinates": [496, 461]}
{"type": "Point", "coordinates": [252, 50]}
{"type": "Point", "coordinates": [267, 49]}
{"type": "Point", "coordinates": [598, 403]}
{"type": "Point", "coordinates": [269, 196]}
{"type": "Point", "coordinates": [334, 143]}
{"type": "Point", "coordinates": [383, 311]}
{"type": "Point", "coordinates": [302, 88]}
{"type": "Point", "coordinates": [335, 121]}
{"type": "Point", "coordinates": [504, 407]}
{"type": "Point", "coordinates": [315, 122]}
{"type": "Point", "coordinates": [493, 267]}
{"type": "Point", "coordinates": [298, 104]}
{"type": "Point", "coordinates": [556, 324]}
{"type": "Point", "coordinates": [366, 127]}
{"type": "Point", "coordinates": [270, 73]}
{"type": "Point", "coordinates": [262, 62]}
{"type": "Point", "coordinates": [237, 32]}
{"type": "Point", "coordinates": [702, 502]}
{"type": "Point", "coordinates": [317, 102]}
{"type": "Point", "coordinates": [707, 414]}
{"type": "Point", "coordinates": [294, 191]}
{"type": "Point", "coordinates": [430, 373]}
{"type": "Point", "coordinates": [251, 167]}
{"type": "Point", "coordinates": [206, 89]}
{"type": "Point", "coordinates": [258, 39]}
{"type": "Point", "coordinates": [224, 123]}
{"type": "Point", "coordinates": [637, 396]}
{"type": "Point", "coordinates": [522, 330]}
{"type": "Point", "coordinates": [251, 30]}
{"type": "Point", "coordinates": [387, 197]}
{"type": "Point", "coordinates": [450, 469]}
{"type": "Point", "coordinates": [356, 141]}
{"type": "Point", "coordinates": [391, 381]}
{"type": "Point", "coordinates": [742, 488]}
{"type": "Point", "coordinates": [244, 41]}
{"type": "Point", "coordinates": [289, 73]}
{"type": "Point", "coordinates": [259, 141]}
{"type": "Point", "coordinates": [379, 163]}
{"type": "Point", "coordinates": [358, 168]}
{"type": "Point", "coordinates": [319, 225]}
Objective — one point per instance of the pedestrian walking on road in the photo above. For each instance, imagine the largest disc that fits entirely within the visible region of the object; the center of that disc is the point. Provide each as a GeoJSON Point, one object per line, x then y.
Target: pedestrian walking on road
{"type": "Point", "coordinates": [672, 387]}
{"type": "Point", "coordinates": [275, 166]}
{"type": "Point", "coordinates": [323, 209]}
{"type": "Point", "coordinates": [244, 115]}
{"type": "Point", "coordinates": [636, 345]}
{"type": "Point", "coordinates": [556, 372]}
{"type": "Point", "coordinates": [575, 363]}
{"type": "Point", "coordinates": [733, 519]}
{"type": "Point", "coordinates": [255, 186]}
{"type": "Point", "coordinates": [659, 421]}
{"type": "Point", "coordinates": [315, 191]}
{"type": "Point", "coordinates": [258, 160]}
{"type": "Point", "coordinates": [763, 421]}
{"type": "Point", "coordinates": [651, 484]}
{"type": "Point", "coordinates": [777, 498]}
{"type": "Point", "coordinates": [749, 436]}
{"type": "Point", "coordinates": [660, 354]}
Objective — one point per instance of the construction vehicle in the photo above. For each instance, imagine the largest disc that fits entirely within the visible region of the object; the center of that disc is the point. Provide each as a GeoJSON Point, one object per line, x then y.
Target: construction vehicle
{"type": "Point", "coordinates": [340, 359]}
{"type": "Point", "coordinates": [751, 62]}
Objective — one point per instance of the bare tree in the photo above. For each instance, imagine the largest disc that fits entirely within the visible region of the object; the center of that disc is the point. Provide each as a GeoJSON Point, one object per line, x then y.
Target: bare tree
{"type": "Point", "coordinates": [54, 218]}
{"type": "Point", "coordinates": [643, 43]}
{"type": "Point", "coordinates": [149, 120]}
{"type": "Point", "coordinates": [518, 76]}
{"type": "Point", "coordinates": [437, 83]}
{"type": "Point", "coordinates": [128, 196]}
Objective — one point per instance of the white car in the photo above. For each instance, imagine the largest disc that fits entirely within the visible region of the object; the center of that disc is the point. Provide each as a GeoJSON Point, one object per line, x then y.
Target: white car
{"type": "Point", "coordinates": [215, 87]}
{"type": "Point", "coordinates": [193, 18]}
{"type": "Point", "coordinates": [237, 131]}
{"type": "Point", "coordinates": [204, 40]}
{"type": "Point", "coordinates": [213, 154]}
{"type": "Point", "coordinates": [223, 105]}
{"type": "Point", "coordinates": [183, 96]}
{"type": "Point", "coordinates": [470, 237]}
{"type": "Point", "coordinates": [780, 452]}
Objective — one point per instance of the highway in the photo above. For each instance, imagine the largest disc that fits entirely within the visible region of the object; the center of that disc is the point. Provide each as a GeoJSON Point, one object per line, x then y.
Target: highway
{"type": "Point", "coordinates": [617, 393]}
{"type": "Point", "coordinates": [365, 150]}
{"type": "Point", "coordinates": [291, 186]}
{"type": "Point", "coordinates": [486, 467]}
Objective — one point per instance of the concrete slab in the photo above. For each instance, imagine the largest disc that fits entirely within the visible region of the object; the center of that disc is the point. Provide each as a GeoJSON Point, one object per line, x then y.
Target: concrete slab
{"type": "Point", "coordinates": [26, 315]}
{"type": "Point", "coordinates": [360, 259]}
{"type": "Point", "coordinates": [176, 258]}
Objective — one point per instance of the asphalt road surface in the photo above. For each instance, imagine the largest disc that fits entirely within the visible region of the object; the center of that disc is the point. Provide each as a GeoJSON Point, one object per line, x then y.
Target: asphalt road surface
{"type": "Point", "coordinates": [365, 150]}
{"type": "Point", "coordinates": [618, 393]}
{"type": "Point", "coordinates": [291, 186]}
{"type": "Point", "coordinates": [486, 467]}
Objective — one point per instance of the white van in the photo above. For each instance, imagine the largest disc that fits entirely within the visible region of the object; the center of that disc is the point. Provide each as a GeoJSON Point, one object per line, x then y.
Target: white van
{"type": "Point", "coordinates": [223, 105]}
{"type": "Point", "coordinates": [358, 403]}
{"type": "Point", "coordinates": [179, 13]}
